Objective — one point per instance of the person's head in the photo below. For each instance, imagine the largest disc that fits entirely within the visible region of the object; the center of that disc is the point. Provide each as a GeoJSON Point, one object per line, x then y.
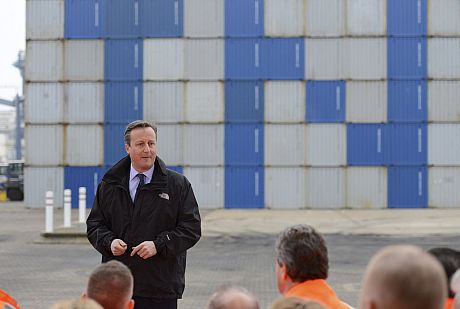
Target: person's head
{"type": "Point", "coordinates": [301, 255]}
{"type": "Point", "coordinates": [450, 261]}
{"type": "Point", "coordinates": [77, 304]}
{"type": "Point", "coordinates": [406, 277]}
{"type": "Point", "coordinates": [232, 297]}
{"type": "Point", "coordinates": [295, 303]}
{"type": "Point", "coordinates": [141, 144]}
{"type": "Point", "coordinates": [455, 287]}
{"type": "Point", "coordinates": [111, 285]}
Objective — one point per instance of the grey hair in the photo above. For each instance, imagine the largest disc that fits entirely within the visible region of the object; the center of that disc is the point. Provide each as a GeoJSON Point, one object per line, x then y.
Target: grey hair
{"type": "Point", "coordinates": [138, 124]}
{"type": "Point", "coordinates": [219, 299]}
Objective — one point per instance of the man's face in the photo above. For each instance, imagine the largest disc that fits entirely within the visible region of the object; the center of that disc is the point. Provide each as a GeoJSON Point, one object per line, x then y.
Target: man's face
{"type": "Point", "coordinates": [142, 149]}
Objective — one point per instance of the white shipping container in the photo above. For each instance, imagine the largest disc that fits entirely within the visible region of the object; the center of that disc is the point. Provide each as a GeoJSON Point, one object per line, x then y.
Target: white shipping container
{"type": "Point", "coordinates": [44, 19]}
{"type": "Point", "coordinates": [284, 18]}
{"type": "Point", "coordinates": [284, 101]}
{"type": "Point", "coordinates": [443, 59]}
{"type": "Point", "coordinates": [325, 59]}
{"type": "Point", "coordinates": [208, 185]}
{"type": "Point", "coordinates": [204, 145]}
{"type": "Point", "coordinates": [170, 143]}
{"type": "Point", "coordinates": [84, 60]}
{"type": "Point", "coordinates": [324, 18]}
{"type": "Point", "coordinates": [325, 187]}
{"type": "Point", "coordinates": [366, 101]}
{"type": "Point", "coordinates": [366, 58]}
{"type": "Point", "coordinates": [204, 18]}
{"type": "Point", "coordinates": [164, 102]}
{"type": "Point", "coordinates": [284, 144]}
{"type": "Point", "coordinates": [164, 59]}
{"type": "Point", "coordinates": [45, 145]}
{"type": "Point", "coordinates": [44, 103]}
{"type": "Point", "coordinates": [285, 187]}
{"type": "Point", "coordinates": [84, 103]}
{"type": "Point", "coordinates": [84, 145]}
{"type": "Point", "coordinates": [443, 184]}
{"type": "Point", "coordinates": [444, 144]}
{"type": "Point", "coordinates": [366, 187]}
{"type": "Point", "coordinates": [38, 180]}
{"type": "Point", "coordinates": [443, 18]}
{"type": "Point", "coordinates": [44, 61]}
{"type": "Point", "coordinates": [444, 101]}
{"type": "Point", "coordinates": [366, 17]}
{"type": "Point", "coordinates": [205, 59]}
{"type": "Point", "coordinates": [204, 102]}
{"type": "Point", "coordinates": [326, 144]}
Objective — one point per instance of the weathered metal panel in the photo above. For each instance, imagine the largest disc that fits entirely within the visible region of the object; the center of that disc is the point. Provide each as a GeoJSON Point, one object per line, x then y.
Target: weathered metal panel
{"type": "Point", "coordinates": [407, 58]}
{"type": "Point", "coordinates": [366, 101]}
{"type": "Point", "coordinates": [366, 144]}
{"type": "Point", "coordinates": [407, 101]}
{"type": "Point", "coordinates": [83, 176]}
{"type": "Point", "coordinates": [44, 61]}
{"type": "Point", "coordinates": [84, 19]}
{"type": "Point", "coordinates": [84, 60]}
{"type": "Point", "coordinates": [326, 144]}
{"type": "Point", "coordinates": [366, 17]}
{"type": "Point", "coordinates": [244, 18]}
{"type": "Point", "coordinates": [249, 140]}
{"type": "Point", "coordinates": [84, 103]}
{"type": "Point", "coordinates": [244, 101]}
{"type": "Point", "coordinates": [325, 18]}
{"type": "Point", "coordinates": [204, 145]}
{"type": "Point", "coordinates": [244, 187]}
{"type": "Point", "coordinates": [208, 185]}
{"type": "Point", "coordinates": [407, 187]}
{"type": "Point", "coordinates": [283, 58]}
{"type": "Point", "coordinates": [204, 102]}
{"type": "Point", "coordinates": [325, 59]}
{"type": "Point", "coordinates": [443, 18]}
{"type": "Point", "coordinates": [45, 19]}
{"type": "Point", "coordinates": [285, 187]}
{"type": "Point", "coordinates": [44, 103]}
{"type": "Point", "coordinates": [38, 180]}
{"type": "Point", "coordinates": [443, 101]}
{"type": "Point", "coordinates": [366, 187]}
{"type": "Point", "coordinates": [45, 145]}
{"type": "Point", "coordinates": [84, 145]}
{"type": "Point", "coordinates": [204, 59]}
{"type": "Point", "coordinates": [325, 101]}
{"type": "Point", "coordinates": [443, 184]}
{"type": "Point", "coordinates": [366, 58]}
{"type": "Point", "coordinates": [284, 101]}
{"type": "Point", "coordinates": [164, 59]}
{"type": "Point", "coordinates": [204, 18]}
{"type": "Point", "coordinates": [325, 187]}
{"type": "Point", "coordinates": [170, 146]}
{"type": "Point", "coordinates": [443, 59]}
{"type": "Point", "coordinates": [444, 144]}
{"type": "Point", "coordinates": [407, 18]}
{"type": "Point", "coordinates": [284, 18]}
{"type": "Point", "coordinates": [284, 144]}
{"type": "Point", "coordinates": [164, 102]}
{"type": "Point", "coordinates": [123, 101]}
{"type": "Point", "coordinates": [123, 60]}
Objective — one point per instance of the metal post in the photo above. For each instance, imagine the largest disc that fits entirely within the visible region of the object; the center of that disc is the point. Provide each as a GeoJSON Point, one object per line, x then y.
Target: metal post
{"type": "Point", "coordinates": [81, 205]}
{"type": "Point", "coordinates": [67, 207]}
{"type": "Point", "coordinates": [49, 219]}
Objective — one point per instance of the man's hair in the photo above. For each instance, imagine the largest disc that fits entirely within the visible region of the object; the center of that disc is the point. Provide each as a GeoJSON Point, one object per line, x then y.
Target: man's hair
{"type": "Point", "coordinates": [77, 304]}
{"type": "Point", "coordinates": [303, 252]}
{"type": "Point", "coordinates": [450, 261]}
{"type": "Point", "coordinates": [111, 285]}
{"type": "Point", "coordinates": [138, 124]}
{"type": "Point", "coordinates": [224, 295]}
{"type": "Point", "coordinates": [295, 303]}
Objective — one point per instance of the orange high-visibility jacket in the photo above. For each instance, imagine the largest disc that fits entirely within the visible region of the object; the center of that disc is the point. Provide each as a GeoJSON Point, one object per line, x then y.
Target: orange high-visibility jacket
{"type": "Point", "coordinates": [6, 299]}
{"type": "Point", "coordinates": [449, 304]}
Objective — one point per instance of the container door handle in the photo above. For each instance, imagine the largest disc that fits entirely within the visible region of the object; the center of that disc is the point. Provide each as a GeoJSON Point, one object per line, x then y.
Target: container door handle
{"type": "Point", "coordinates": [176, 12]}
{"type": "Point", "coordinates": [256, 183]}
{"type": "Point", "coordinates": [379, 140]}
{"type": "Point", "coordinates": [256, 12]}
{"type": "Point", "coordinates": [136, 98]}
{"type": "Point", "coordinates": [256, 97]}
{"type": "Point", "coordinates": [256, 140]}
{"type": "Point", "coordinates": [419, 140]}
{"type": "Point", "coordinates": [420, 180]}
{"type": "Point", "coordinates": [256, 55]}
{"type": "Point", "coordinates": [419, 97]}
{"type": "Point", "coordinates": [337, 98]}
{"type": "Point", "coordinates": [136, 13]}
{"type": "Point", "coordinates": [96, 14]}
{"type": "Point", "coordinates": [136, 55]}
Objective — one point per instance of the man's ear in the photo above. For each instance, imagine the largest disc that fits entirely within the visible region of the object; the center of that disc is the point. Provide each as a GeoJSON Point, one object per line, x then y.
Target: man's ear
{"type": "Point", "coordinates": [283, 271]}
{"type": "Point", "coordinates": [131, 304]}
{"type": "Point", "coordinates": [127, 148]}
{"type": "Point", "coordinates": [84, 295]}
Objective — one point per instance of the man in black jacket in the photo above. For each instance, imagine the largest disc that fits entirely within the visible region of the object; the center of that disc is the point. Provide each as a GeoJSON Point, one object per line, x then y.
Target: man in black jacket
{"type": "Point", "coordinates": [146, 216]}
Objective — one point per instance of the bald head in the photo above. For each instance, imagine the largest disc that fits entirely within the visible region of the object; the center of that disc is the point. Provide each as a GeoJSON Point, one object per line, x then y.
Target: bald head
{"type": "Point", "coordinates": [406, 277]}
{"type": "Point", "coordinates": [233, 297]}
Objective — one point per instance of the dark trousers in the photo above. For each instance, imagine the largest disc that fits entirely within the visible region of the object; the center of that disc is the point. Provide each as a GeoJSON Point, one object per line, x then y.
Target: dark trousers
{"type": "Point", "coordinates": [153, 303]}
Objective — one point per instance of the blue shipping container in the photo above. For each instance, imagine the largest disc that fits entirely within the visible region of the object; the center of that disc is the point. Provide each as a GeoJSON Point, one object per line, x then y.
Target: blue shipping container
{"type": "Point", "coordinates": [243, 59]}
{"type": "Point", "coordinates": [283, 59]}
{"type": "Point", "coordinates": [162, 18]}
{"type": "Point", "coordinates": [114, 146]}
{"type": "Point", "coordinates": [123, 60]}
{"type": "Point", "coordinates": [407, 144]}
{"type": "Point", "coordinates": [177, 168]}
{"type": "Point", "coordinates": [244, 18]}
{"type": "Point", "coordinates": [244, 187]}
{"type": "Point", "coordinates": [407, 58]}
{"type": "Point", "coordinates": [86, 176]}
{"type": "Point", "coordinates": [407, 18]}
{"type": "Point", "coordinates": [244, 144]}
{"type": "Point", "coordinates": [84, 19]}
{"type": "Point", "coordinates": [366, 144]}
{"type": "Point", "coordinates": [325, 101]}
{"type": "Point", "coordinates": [123, 101]}
{"type": "Point", "coordinates": [407, 101]}
{"type": "Point", "coordinates": [122, 19]}
{"type": "Point", "coordinates": [407, 187]}
{"type": "Point", "coordinates": [244, 101]}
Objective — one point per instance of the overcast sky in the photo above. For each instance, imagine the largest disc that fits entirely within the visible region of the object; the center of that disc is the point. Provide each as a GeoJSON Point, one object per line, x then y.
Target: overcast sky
{"type": "Point", "coordinates": [12, 39]}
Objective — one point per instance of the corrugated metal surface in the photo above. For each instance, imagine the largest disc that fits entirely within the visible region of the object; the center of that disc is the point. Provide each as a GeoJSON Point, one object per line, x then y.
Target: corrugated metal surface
{"type": "Point", "coordinates": [443, 184]}
{"type": "Point", "coordinates": [176, 168]}
{"type": "Point", "coordinates": [366, 187]}
{"type": "Point", "coordinates": [84, 103]}
{"type": "Point", "coordinates": [44, 61]}
{"type": "Point", "coordinates": [122, 19]}
{"type": "Point", "coordinates": [244, 144]}
{"type": "Point", "coordinates": [284, 101]}
{"type": "Point", "coordinates": [407, 18]}
{"type": "Point", "coordinates": [84, 19]}
{"type": "Point", "coordinates": [123, 101]}
{"type": "Point", "coordinates": [407, 58]}
{"type": "Point", "coordinates": [407, 101]}
{"type": "Point", "coordinates": [162, 18]}
{"type": "Point", "coordinates": [84, 60]}
{"type": "Point", "coordinates": [164, 102]}
{"type": "Point", "coordinates": [88, 177]}
{"type": "Point", "coordinates": [326, 145]}
{"type": "Point", "coordinates": [38, 180]}
{"type": "Point", "coordinates": [444, 144]}
{"type": "Point", "coordinates": [84, 145]}
{"type": "Point", "coordinates": [325, 18]}
{"type": "Point", "coordinates": [443, 101]}
{"type": "Point", "coordinates": [114, 147]}
{"type": "Point", "coordinates": [45, 19]}
{"type": "Point", "coordinates": [325, 187]}
{"type": "Point", "coordinates": [204, 18]}
{"type": "Point", "coordinates": [170, 146]}
{"type": "Point", "coordinates": [204, 59]}
{"type": "Point", "coordinates": [366, 58]}
{"type": "Point", "coordinates": [164, 59]}
{"type": "Point", "coordinates": [244, 187]}
{"type": "Point", "coordinates": [443, 18]}
{"type": "Point", "coordinates": [325, 101]}
{"type": "Point", "coordinates": [204, 102]}
{"type": "Point", "coordinates": [243, 59]}
{"type": "Point", "coordinates": [407, 144]}
{"type": "Point", "coordinates": [407, 187]}
{"type": "Point", "coordinates": [284, 144]}
{"type": "Point", "coordinates": [44, 103]}
{"type": "Point", "coordinates": [284, 18]}
{"type": "Point", "coordinates": [244, 101]}
{"type": "Point", "coordinates": [45, 145]}
{"type": "Point", "coordinates": [365, 144]}
{"type": "Point", "coordinates": [204, 145]}
{"type": "Point", "coordinates": [366, 101]}
{"type": "Point", "coordinates": [324, 59]}
{"type": "Point", "coordinates": [208, 185]}
{"type": "Point", "coordinates": [285, 187]}
{"type": "Point", "coordinates": [366, 17]}
{"type": "Point", "coordinates": [283, 58]}
{"type": "Point", "coordinates": [123, 60]}
{"type": "Point", "coordinates": [244, 18]}
{"type": "Point", "coordinates": [443, 60]}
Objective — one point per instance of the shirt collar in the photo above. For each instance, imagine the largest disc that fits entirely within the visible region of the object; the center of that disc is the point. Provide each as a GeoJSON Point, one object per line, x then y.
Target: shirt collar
{"type": "Point", "coordinates": [148, 173]}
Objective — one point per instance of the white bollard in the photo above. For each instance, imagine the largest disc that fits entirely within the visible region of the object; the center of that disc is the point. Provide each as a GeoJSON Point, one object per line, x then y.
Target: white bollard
{"type": "Point", "coordinates": [67, 207]}
{"type": "Point", "coordinates": [81, 205]}
{"type": "Point", "coordinates": [49, 218]}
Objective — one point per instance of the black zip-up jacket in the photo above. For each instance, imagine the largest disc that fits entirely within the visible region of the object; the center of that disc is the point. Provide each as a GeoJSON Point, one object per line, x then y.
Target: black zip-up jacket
{"type": "Point", "coordinates": [166, 212]}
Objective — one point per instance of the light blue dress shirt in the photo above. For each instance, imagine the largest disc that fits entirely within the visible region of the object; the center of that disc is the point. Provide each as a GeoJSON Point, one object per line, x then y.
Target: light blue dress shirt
{"type": "Point", "coordinates": [134, 180]}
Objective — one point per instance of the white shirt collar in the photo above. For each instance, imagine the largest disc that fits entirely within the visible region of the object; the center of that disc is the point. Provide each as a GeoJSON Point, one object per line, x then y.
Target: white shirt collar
{"type": "Point", "coordinates": [148, 173]}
